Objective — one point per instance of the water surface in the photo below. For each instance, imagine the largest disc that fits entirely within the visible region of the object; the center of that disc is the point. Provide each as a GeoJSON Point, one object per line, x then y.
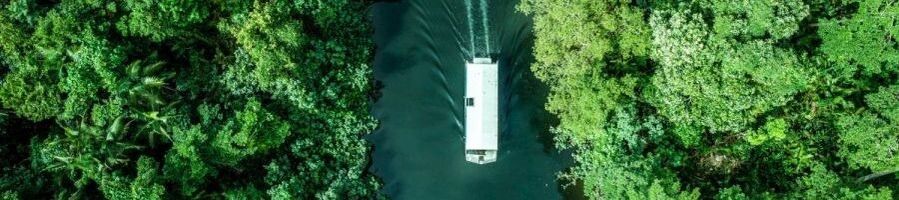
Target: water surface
{"type": "Point", "coordinates": [422, 46]}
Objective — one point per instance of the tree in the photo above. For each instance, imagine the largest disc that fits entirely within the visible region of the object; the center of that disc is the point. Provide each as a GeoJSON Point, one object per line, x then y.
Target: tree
{"type": "Point", "coordinates": [144, 186]}
{"type": "Point", "coordinates": [730, 99]}
{"type": "Point", "coordinates": [870, 139]}
{"type": "Point", "coordinates": [825, 184]}
{"type": "Point", "coordinates": [214, 91]}
{"type": "Point", "coordinates": [251, 131]}
{"type": "Point", "coordinates": [863, 43]}
{"type": "Point", "coordinates": [717, 78]}
{"type": "Point", "coordinates": [164, 19]}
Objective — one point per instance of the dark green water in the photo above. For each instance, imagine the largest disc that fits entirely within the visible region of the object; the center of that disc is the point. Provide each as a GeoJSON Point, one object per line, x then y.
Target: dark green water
{"type": "Point", "coordinates": [422, 46]}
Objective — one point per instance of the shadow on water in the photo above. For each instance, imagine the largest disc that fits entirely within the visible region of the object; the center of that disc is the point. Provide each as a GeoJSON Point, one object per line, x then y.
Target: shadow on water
{"type": "Point", "coordinates": [419, 65]}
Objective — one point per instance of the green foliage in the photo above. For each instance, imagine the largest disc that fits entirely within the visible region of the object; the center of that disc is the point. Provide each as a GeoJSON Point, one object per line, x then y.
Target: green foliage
{"type": "Point", "coordinates": [289, 63]}
{"type": "Point", "coordinates": [870, 139]}
{"type": "Point", "coordinates": [756, 19]}
{"type": "Point", "coordinates": [689, 136]}
{"type": "Point", "coordinates": [144, 186]}
{"type": "Point", "coordinates": [184, 163]}
{"type": "Point", "coordinates": [252, 131]}
{"type": "Point", "coordinates": [712, 78]}
{"type": "Point", "coordinates": [218, 92]}
{"type": "Point", "coordinates": [83, 153]}
{"type": "Point", "coordinates": [163, 19]}
{"type": "Point", "coordinates": [770, 99]}
{"type": "Point", "coordinates": [246, 193]}
{"type": "Point", "coordinates": [571, 57]}
{"type": "Point", "coordinates": [9, 195]}
{"type": "Point", "coordinates": [55, 64]}
{"type": "Point", "coordinates": [318, 157]}
{"type": "Point", "coordinates": [773, 131]}
{"type": "Point", "coordinates": [864, 42]}
{"type": "Point", "coordinates": [604, 29]}
{"type": "Point", "coordinates": [731, 193]}
{"type": "Point", "coordinates": [825, 184]}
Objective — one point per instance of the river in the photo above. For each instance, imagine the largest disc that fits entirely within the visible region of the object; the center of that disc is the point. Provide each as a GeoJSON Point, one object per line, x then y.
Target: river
{"type": "Point", "coordinates": [421, 49]}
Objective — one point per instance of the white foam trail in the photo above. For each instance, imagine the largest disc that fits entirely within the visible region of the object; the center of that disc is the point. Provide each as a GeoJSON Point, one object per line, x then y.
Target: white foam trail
{"type": "Point", "coordinates": [485, 19]}
{"type": "Point", "coordinates": [470, 29]}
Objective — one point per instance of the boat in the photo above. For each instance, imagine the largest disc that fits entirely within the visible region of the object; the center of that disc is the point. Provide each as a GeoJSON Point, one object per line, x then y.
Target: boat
{"type": "Point", "coordinates": [481, 110]}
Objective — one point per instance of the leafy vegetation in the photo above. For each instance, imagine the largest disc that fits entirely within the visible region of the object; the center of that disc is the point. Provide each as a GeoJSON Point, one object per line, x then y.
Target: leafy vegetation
{"type": "Point", "coordinates": [175, 99]}
{"type": "Point", "coordinates": [724, 99]}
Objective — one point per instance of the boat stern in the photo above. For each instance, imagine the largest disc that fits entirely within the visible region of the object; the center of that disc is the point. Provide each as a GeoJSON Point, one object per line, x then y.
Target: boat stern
{"type": "Point", "coordinates": [480, 156]}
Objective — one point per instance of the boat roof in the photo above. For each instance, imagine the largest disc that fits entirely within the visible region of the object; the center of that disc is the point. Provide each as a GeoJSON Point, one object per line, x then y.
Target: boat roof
{"type": "Point", "coordinates": [481, 115]}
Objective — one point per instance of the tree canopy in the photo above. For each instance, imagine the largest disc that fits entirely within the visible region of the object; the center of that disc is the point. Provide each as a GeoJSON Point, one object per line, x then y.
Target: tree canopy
{"type": "Point", "coordinates": [175, 99]}
{"type": "Point", "coordinates": [723, 99]}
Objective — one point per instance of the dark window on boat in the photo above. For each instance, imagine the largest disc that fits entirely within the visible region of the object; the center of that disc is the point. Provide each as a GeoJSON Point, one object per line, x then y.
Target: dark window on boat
{"type": "Point", "coordinates": [469, 101]}
{"type": "Point", "coordinates": [476, 152]}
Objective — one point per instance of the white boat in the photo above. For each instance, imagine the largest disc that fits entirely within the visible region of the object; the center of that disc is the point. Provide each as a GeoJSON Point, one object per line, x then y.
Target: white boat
{"type": "Point", "coordinates": [481, 110]}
